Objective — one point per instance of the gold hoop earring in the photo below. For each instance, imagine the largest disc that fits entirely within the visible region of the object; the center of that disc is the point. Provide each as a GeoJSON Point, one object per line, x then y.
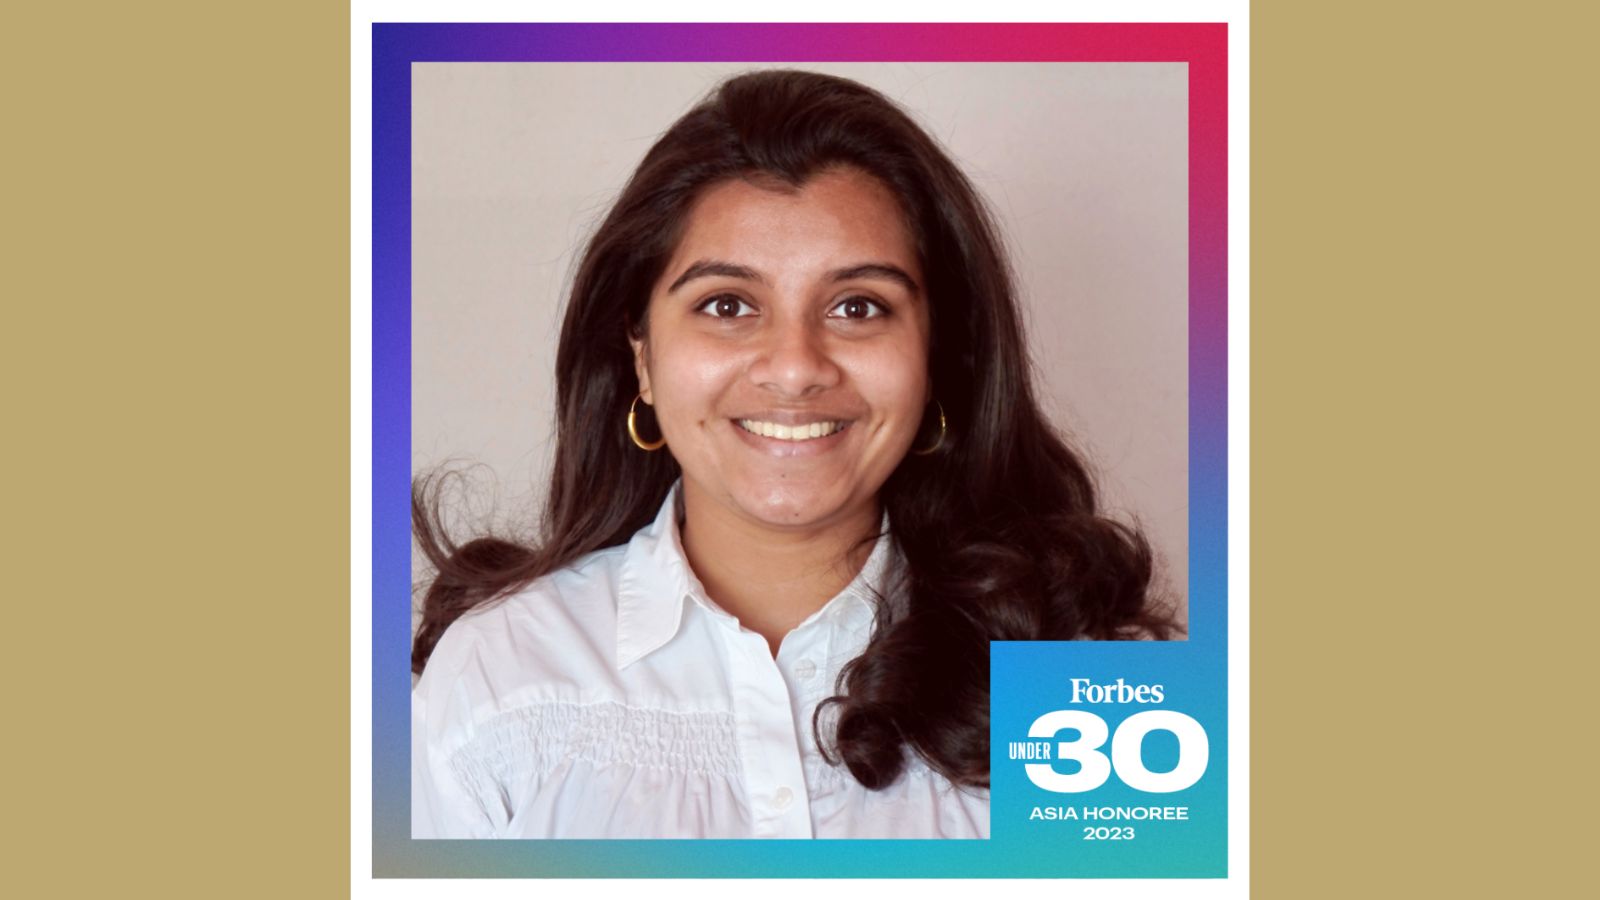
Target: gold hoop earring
{"type": "Point", "coordinates": [633, 431]}
{"type": "Point", "coordinates": [938, 443]}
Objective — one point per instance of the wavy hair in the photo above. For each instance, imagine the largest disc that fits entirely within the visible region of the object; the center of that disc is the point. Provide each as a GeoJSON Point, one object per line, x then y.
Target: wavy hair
{"type": "Point", "coordinates": [1000, 529]}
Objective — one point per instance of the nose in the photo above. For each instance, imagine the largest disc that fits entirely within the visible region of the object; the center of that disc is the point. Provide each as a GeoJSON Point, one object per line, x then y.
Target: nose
{"type": "Point", "coordinates": [794, 360]}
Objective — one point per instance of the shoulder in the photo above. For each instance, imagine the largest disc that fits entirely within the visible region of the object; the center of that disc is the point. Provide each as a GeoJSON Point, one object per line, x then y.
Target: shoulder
{"type": "Point", "coordinates": [578, 598]}
{"type": "Point", "coordinates": [541, 642]}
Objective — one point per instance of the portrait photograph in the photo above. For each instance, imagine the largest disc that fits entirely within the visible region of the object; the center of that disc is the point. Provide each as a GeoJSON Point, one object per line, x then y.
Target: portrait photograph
{"type": "Point", "coordinates": [750, 402]}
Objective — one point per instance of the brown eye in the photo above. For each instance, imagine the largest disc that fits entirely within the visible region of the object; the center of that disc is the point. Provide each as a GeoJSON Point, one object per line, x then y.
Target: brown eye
{"type": "Point", "coordinates": [858, 308]}
{"type": "Point", "coordinates": [726, 306]}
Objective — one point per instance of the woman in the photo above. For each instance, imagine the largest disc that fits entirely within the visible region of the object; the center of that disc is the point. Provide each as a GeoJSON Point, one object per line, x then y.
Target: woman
{"type": "Point", "coordinates": [801, 481]}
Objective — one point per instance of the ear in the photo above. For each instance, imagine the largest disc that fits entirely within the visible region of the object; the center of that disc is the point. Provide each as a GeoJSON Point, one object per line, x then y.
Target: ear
{"type": "Point", "coordinates": [641, 367]}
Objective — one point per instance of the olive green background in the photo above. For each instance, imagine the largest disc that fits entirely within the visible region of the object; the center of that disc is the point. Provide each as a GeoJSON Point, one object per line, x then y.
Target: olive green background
{"type": "Point", "coordinates": [175, 361]}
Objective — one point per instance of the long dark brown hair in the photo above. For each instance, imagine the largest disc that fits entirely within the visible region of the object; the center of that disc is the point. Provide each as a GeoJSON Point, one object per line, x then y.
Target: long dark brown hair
{"type": "Point", "coordinates": [1000, 529]}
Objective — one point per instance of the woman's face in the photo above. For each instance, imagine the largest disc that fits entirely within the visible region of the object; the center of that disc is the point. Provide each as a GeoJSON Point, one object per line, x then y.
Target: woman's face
{"type": "Point", "coordinates": [786, 353]}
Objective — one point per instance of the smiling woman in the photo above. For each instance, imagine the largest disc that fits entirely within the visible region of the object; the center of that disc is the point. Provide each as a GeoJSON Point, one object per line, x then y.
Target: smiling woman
{"type": "Point", "coordinates": [801, 481]}
{"type": "Point", "coordinates": [787, 367]}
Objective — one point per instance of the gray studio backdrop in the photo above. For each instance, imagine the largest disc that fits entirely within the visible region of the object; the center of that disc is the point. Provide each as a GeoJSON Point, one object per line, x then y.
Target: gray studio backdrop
{"type": "Point", "coordinates": [1085, 165]}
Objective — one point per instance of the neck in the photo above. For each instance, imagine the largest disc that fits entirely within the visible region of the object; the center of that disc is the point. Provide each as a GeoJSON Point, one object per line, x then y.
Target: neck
{"type": "Point", "coordinates": [769, 578]}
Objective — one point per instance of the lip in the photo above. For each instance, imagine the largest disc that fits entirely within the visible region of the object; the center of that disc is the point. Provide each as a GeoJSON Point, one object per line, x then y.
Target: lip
{"type": "Point", "coordinates": [792, 449]}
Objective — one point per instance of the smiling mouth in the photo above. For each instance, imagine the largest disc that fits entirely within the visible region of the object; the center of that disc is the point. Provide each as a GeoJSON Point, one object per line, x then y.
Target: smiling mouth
{"type": "Point", "coordinates": [806, 432]}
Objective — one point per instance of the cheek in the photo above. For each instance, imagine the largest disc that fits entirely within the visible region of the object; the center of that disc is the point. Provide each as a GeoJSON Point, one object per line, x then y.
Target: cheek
{"type": "Point", "coordinates": [688, 377]}
{"type": "Point", "coordinates": [895, 380]}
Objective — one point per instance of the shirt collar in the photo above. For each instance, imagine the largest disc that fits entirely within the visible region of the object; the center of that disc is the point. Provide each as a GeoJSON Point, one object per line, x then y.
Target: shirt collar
{"type": "Point", "coordinates": [655, 582]}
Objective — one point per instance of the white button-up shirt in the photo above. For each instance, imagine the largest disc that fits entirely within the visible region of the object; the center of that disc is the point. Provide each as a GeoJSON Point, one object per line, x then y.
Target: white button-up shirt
{"type": "Point", "coordinates": [614, 699]}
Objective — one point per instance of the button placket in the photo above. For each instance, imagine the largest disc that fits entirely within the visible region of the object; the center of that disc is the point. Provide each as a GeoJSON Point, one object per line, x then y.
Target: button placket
{"type": "Point", "coordinates": [770, 745]}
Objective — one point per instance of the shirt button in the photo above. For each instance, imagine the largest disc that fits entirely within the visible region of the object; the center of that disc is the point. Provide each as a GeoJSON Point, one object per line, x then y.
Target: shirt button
{"type": "Point", "coordinates": [782, 798]}
{"type": "Point", "coordinates": [804, 669]}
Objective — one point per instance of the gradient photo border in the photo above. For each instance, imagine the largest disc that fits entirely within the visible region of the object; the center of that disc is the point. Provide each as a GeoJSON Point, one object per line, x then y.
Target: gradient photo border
{"type": "Point", "coordinates": [1203, 657]}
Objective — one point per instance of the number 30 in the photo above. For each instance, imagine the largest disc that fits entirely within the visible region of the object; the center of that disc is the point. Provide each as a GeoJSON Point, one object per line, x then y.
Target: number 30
{"type": "Point", "coordinates": [1194, 751]}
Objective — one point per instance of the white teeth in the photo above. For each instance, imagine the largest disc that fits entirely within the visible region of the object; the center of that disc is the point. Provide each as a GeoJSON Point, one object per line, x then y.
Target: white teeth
{"type": "Point", "coordinates": [790, 432]}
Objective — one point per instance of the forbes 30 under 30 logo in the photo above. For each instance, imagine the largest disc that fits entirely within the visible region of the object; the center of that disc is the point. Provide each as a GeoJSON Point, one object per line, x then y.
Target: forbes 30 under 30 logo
{"type": "Point", "coordinates": [1127, 743]}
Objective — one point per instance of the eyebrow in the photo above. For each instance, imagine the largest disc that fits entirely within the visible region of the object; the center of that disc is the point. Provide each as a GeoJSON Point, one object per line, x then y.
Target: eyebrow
{"type": "Point", "coordinates": [882, 271]}
{"type": "Point", "coordinates": [706, 268]}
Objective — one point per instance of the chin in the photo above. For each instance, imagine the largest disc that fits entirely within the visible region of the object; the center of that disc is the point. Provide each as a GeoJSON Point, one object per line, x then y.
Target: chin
{"type": "Point", "coordinates": [794, 504]}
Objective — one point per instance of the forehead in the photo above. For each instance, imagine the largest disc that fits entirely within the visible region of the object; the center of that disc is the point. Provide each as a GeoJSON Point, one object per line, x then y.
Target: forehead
{"type": "Point", "coordinates": [840, 216]}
